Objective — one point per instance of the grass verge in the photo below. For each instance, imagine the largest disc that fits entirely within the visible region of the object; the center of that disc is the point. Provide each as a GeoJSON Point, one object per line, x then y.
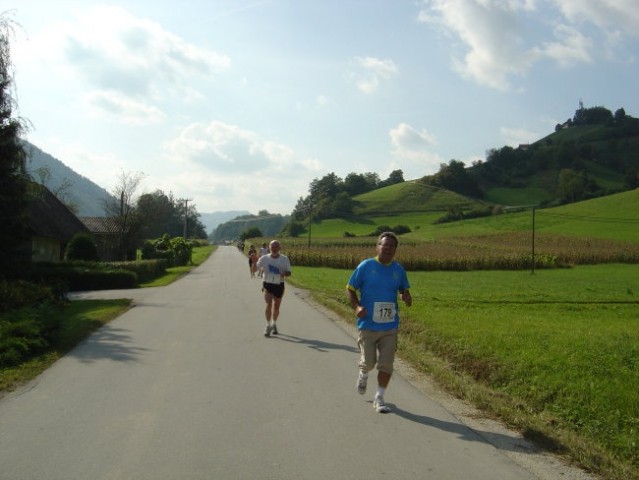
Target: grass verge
{"type": "Point", "coordinates": [78, 320]}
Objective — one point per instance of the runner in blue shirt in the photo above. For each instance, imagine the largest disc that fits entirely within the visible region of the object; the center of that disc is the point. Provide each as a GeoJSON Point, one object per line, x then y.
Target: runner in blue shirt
{"type": "Point", "coordinates": [378, 281]}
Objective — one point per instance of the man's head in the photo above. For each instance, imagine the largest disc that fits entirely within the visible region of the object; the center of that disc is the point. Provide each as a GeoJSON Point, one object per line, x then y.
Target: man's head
{"type": "Point", "coordinates": [386, 246]}
{"type": "Point", "coordinates": [274, 247]}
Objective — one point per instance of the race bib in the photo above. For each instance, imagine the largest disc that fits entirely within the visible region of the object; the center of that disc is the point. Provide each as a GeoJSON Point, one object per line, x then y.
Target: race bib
{"type": "Point", "coordinates": [383, 312]}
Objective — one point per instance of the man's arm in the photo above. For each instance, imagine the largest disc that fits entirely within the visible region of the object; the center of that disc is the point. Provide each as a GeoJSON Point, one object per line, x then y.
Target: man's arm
{"type": "Point", "coordinates": [406, 297]}
{"type": "Point", "coordinates": [360, 311]}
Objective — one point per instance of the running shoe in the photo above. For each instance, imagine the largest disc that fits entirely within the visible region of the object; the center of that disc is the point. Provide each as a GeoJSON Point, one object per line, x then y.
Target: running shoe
{"type": "Point", "coordinates": [274, 330]}
{"type": "Point", "coordinates": [267, 332]}
{"type": "Point", "coordinates": [361, 383]}
{"type": "Point", "coordinates": [380, 406]}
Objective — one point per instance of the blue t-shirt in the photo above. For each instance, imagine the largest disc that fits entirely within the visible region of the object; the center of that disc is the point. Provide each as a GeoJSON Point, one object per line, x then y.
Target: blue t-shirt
{"type": "Point", "coordinates": [378, 285]}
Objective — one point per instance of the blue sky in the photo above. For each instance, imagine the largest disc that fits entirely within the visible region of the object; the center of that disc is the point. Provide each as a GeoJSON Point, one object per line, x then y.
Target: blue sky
{"type": "Point", "coordinates": [240, 104]}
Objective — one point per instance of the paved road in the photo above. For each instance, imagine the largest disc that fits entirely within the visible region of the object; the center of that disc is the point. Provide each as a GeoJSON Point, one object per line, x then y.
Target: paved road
{"type": "Point", "coordinates": [185, 386]}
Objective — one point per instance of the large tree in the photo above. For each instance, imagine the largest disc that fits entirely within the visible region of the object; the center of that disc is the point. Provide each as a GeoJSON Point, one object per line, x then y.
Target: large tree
{"type": "Point", "coordinates": [13, 178]}
{"type": "Point", "coordinates": [122, 209]}
{"type": "Point", "coordinates": [160, 213]}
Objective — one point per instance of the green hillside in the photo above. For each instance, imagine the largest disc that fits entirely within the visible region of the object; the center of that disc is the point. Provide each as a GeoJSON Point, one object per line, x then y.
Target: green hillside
{"type": "Point", "coordinates": [410, 196]}
{"type": "Point", "coordinates": [611, 217]}
{"type": "Point", "coordinates": [595, 160]}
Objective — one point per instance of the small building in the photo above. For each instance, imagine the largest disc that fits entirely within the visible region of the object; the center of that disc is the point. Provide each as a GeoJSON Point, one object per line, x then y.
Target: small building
{"type": "Point", "coordinates": [106, 232]}
{"type": "Point", "coordinates": [51, 226]}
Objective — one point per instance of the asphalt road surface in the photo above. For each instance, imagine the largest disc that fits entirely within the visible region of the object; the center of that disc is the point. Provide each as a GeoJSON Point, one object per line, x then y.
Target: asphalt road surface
{"type": "Point", "coordinates": [185, 386]}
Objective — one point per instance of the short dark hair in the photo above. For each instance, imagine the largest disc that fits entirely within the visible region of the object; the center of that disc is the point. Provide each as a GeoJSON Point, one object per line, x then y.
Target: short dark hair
{"type": "Point", "coordinates": [388, 235]}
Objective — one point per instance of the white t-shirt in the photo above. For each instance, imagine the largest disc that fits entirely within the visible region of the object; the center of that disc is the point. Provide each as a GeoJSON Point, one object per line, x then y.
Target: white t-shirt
{"type": "Point", "coordinates": [273, 266]}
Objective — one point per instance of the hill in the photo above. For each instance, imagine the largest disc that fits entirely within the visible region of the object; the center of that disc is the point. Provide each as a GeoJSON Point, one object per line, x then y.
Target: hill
{"type": "Point", "coordinates": [212, 220]}
{"type": "Point", "coordinates": [591, 155]}
{"type": "Point", "coordinates": [613, 217]}
{"type": "Point", "coordinates": [268, 224]}
{"type": "Point", "coordinates": [83, 196]}
{"type": "Point", "coordinates": [410, 196]}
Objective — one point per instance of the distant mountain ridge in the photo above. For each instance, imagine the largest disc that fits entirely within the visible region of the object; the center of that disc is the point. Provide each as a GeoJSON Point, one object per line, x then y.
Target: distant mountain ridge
{"type": "Point", "coordinates": [213, 219]}
{"type": "Point", "coordinates": [85, 197]}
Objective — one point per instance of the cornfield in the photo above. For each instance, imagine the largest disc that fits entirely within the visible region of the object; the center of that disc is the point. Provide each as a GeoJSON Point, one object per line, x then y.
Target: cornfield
{"type": "Point", "coordinates": [504, 251]}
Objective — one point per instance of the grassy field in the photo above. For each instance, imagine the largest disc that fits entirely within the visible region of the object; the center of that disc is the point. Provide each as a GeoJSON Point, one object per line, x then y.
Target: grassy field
{"type": "Point", "coordinates": [554, 354]}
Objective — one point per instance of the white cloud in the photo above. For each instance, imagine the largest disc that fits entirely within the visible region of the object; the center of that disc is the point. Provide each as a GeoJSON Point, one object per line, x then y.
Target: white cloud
{"type": "Point", "coordinates": [127, 62]}
{"type": "Point", "coordinates": [118, 51]}
{"type": "Point", "coordinates": [572, 47]}
{"type": "Point", "coordinates": [608, 15]}
{"type": "Point", "coordinates": [225, 148]}
{"type": "Point", "coordinates": [504, 38]}
{"type": "Point", "coordinates": [118, 107]}
{"type": "Point", "coordinates": [371, 71]}
{"type": "Point", "coordinates": [491, 31]}
{"type": "Point", "coordinates": [518, 136]}
{"type": "Point", "coordinates": [414, 145]}
{"type": "Point", "coordinates": [235, 190]}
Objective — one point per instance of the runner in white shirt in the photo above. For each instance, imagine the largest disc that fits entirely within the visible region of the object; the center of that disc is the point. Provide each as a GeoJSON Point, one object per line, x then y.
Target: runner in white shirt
{"type": "Point", "coordinates": [275, 267]}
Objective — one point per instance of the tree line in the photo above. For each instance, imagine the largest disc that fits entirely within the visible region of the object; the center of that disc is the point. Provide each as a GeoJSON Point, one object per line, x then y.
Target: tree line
{"type": "Point", "coordinates": [149, 216]}
{"type": "Point", "coordinates": [332, 197]}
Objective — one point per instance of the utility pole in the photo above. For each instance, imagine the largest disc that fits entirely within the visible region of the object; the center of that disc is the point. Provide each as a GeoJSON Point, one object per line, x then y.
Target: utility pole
{"type": "Point", "coordinates": [533, 241]}
{"type": "Point", "coordinates": [310, 222]}
{"type": "Point", "coordinates": [186, 214]}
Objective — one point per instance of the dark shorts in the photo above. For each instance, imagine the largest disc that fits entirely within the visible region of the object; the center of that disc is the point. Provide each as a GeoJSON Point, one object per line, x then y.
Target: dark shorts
{"type": "Point", "coordinates": [275, 289]}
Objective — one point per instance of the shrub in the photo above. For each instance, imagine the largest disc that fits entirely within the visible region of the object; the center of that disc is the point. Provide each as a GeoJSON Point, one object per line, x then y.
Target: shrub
{"type": "Point", "coordinates": [183, 251]}
{"type": "Point", "coordinates": [146, 270]}
{"type": "Point", "coordinates": [21, 335]}
{"type": "Point", "coordinates": [176, 251]}
{"type": "Point", "coordinates": [80, 275]}
{"type": "Point", "coordinates": [82, 247]}
{"type": "Point", "coordinates": [21, 293]}
{"type": "Point", "coordinates": [401, 229]}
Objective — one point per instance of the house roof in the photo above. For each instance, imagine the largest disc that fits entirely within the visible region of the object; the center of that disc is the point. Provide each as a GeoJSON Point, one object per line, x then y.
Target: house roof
{"type": "Point", "coordinates": [49, 217]}
{"type": "Point", "coordinates": [101, 225]}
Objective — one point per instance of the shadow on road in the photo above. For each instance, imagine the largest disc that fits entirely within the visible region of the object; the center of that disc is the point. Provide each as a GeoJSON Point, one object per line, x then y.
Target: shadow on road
{"type": "Point", "coordinates": [108, 343]}
{"type": "Point", "coordinates": [318, 345]}
{"type": "Point", "coordinates": [499, 440]}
